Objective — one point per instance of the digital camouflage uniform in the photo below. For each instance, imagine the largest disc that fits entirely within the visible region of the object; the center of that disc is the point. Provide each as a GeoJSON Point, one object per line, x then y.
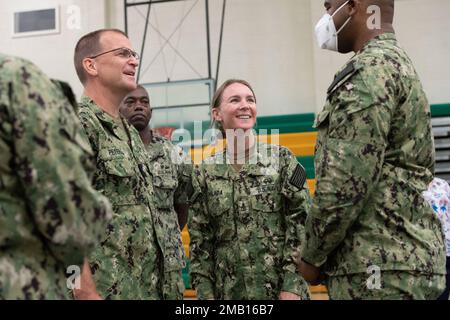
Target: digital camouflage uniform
{"type": "Point", "coordinates": [50, 215]}
{"type": "Point", "coordinates": [246, 227]}
{"type": "Point", "coordinates": [130, 263]}
{"type": "Point", "coordinates": [374, 158]}
{"type": "Point", "coordinates": [171, 179]}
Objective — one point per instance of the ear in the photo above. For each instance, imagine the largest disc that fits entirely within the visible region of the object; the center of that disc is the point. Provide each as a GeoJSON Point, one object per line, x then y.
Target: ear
{"type": "Point", "coordinates": [216, 114]}
{"type": "Point", "coordinates": [353, 7]}
{"type": "Point", "coordinates": [90, 67]}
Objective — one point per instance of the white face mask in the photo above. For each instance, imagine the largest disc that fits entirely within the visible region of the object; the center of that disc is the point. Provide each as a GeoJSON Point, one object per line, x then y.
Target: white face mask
{"type": "Point", "coordinates": [326, 33]}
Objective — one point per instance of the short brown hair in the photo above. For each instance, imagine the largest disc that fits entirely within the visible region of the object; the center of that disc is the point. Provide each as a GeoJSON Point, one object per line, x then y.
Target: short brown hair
{"type": "Point", "coordinates": [87, 46]}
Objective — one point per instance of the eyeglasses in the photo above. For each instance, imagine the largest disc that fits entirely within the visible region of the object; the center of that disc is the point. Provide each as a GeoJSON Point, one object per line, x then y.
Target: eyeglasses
{"type": "Point", "coordinates": [123, 52]}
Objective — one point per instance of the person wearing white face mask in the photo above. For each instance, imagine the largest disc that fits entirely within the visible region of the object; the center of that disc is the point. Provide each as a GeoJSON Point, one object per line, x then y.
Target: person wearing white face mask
{"type": "Point", "coordinates": [326, 33]}
{"type": "Point", "coordinates": [370, 234]}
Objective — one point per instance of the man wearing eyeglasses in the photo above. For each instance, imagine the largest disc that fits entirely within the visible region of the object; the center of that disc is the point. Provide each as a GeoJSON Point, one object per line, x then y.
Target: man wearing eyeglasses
{"type": "Point", "coordinates": [129, 262]}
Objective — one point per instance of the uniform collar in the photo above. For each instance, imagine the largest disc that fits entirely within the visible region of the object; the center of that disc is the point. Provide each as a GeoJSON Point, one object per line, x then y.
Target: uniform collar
{"type": "Point", "coordinates": [388, 36]}
{"type": "Point", "coordinates": [108, 121]}
{"type": "Point", "coordinates": [155, 149]}
{"type": "Point", "coordinates": [258, 167]}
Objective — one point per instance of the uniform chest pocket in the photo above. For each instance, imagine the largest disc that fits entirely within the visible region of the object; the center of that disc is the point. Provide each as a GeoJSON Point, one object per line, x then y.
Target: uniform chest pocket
{"type": "Point", "coordinates": [220, 208]}
{"type": "Point", "coordinates": [267, 205]}
{"type": "Point", "coordinates": [119, 167]}
{"type": "Point", "coordinates": [219, 197]}
{"type": "Point", "coordinates": [165, 186]}
{"type": "Point", "coordinates": [120, 180]}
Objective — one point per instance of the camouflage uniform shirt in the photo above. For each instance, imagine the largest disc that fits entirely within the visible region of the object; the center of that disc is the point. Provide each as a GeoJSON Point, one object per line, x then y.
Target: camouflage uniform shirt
{"type": "Point", "coordinates": [374, 158]}
{"type": "Point", "coordinates": [246, 227]}
{"type": "Point", "coordinates": [50, 215]}
{"type": "Point", "coordinates": [171, 177]}
{"type": "Point", "coordinates": [129, 263]}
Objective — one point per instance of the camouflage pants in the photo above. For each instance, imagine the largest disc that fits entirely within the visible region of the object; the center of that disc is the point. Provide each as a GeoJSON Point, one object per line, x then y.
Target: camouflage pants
{"type": "Point", "coordinates": [115, 279]}
{"type": "Point", "coordinates": [392, 285]}
{"type": "Point", "coordinates": [173, 286]}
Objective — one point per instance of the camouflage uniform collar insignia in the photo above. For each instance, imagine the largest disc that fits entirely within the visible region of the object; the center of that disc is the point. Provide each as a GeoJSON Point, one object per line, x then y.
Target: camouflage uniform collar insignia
{"type": "Point", "coordinates": [253, 153]}
{"type": "Point", "coordinates": [262, 167]}
{"type": "Point", "coordinates": [155, 150]}
{"type": "Point", "coordinates": [263, 160]}
{"type": "Point", "coordinates": [160, 137]}
{"type": "Point", "coordinates": [258, 164]}
{"type": "Point", "coordinates": [341, 76]}
{"type": "Point", "coordinates": [85, 101]}
{"type": "Point", "coordinates": [156, 138]}
{"type": "Point", "coordinates": [258, 170]}
{"type": "Point", "coordinates": [101, 115]}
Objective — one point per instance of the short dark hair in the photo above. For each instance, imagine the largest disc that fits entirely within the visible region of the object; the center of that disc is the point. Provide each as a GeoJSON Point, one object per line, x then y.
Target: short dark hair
{"type": "Point", "coordinates": [89, 45]}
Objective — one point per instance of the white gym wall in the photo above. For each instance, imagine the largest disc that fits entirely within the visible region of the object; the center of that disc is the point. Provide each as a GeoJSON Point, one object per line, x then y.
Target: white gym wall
{"type": "Point", "coordinates": [269, 43]}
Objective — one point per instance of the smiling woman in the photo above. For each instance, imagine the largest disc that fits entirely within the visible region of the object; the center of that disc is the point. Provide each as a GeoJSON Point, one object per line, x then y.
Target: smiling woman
{"type": "Point", "coordinates": [234, 105]}
{"type": "Point", "coordinates": [248, 208]}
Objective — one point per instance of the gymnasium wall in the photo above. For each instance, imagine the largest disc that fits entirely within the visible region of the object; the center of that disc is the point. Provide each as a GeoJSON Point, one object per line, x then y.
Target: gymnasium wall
{"type": "Point", "coordinates": [270, 43]}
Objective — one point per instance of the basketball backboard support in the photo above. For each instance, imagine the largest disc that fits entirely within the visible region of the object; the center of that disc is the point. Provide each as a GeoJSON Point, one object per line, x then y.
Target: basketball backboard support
{"type": "Point", "coordinates": [178, 102]}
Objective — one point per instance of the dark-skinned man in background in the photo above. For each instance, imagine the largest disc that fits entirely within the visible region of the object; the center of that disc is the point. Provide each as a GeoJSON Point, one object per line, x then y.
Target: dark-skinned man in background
{"type": "Point", "coordinates": [171, 172]}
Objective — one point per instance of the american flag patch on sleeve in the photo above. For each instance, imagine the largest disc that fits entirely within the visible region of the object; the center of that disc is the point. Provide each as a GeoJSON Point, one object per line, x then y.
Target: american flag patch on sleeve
{"type": "Point", "coordinates": [298, 177]}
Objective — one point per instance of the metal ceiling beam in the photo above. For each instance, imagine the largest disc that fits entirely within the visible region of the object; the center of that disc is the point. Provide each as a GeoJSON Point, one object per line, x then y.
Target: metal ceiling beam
{"type": "Point", "coordinates": [128, 5]}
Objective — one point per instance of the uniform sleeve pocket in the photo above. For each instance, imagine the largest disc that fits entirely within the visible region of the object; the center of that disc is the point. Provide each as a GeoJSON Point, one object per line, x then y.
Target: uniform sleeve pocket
{"type": "Point", "coordinates": [321, 119]}
{"type": "Point", "coordinates": [120, 176]}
